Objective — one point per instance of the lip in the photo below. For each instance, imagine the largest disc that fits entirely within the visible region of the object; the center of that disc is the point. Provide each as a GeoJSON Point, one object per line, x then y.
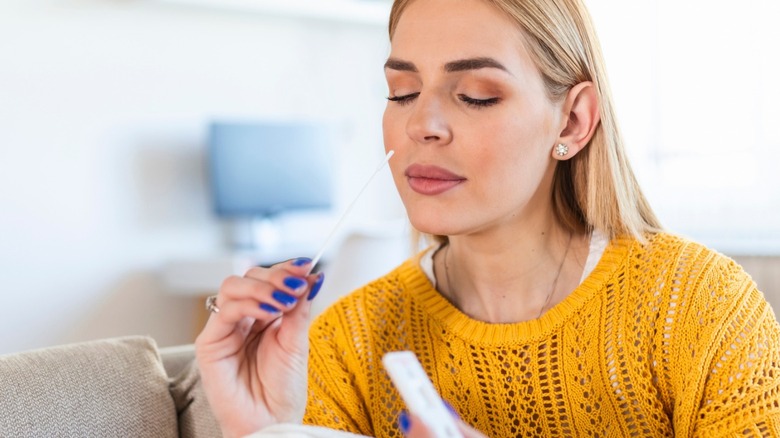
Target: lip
{"type": "Point", "coordinates": [431, 180]}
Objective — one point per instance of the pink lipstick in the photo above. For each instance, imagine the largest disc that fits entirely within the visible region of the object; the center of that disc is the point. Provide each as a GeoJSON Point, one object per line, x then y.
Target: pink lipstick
{"type": "Point", "coordinates": [431, 180]}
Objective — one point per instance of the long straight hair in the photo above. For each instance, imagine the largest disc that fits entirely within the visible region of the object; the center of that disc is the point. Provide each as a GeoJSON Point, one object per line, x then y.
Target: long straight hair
{"type": "Point", "coordinates": [595, 189]}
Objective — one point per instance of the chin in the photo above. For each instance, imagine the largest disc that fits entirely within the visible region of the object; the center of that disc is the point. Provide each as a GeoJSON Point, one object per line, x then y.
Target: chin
{"type": "Point", "coordinates": [431, 224]}
{"type": "Point", "coordinates": [433, 217]}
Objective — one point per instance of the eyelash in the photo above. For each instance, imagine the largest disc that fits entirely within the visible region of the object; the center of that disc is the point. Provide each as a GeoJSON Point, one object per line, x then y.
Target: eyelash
{"type": "Point", "coordinates": [475, 103]}
{"type": "Point", "coordinates": [403, 100]}
{"type": "Point", "coordinates": [478, 103]}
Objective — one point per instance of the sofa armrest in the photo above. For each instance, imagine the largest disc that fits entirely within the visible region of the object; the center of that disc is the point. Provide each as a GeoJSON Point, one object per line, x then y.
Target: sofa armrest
{"type": "Point", "coordinates": [177, 358]}
{"type": "Point", "coordinates": [195, 417]}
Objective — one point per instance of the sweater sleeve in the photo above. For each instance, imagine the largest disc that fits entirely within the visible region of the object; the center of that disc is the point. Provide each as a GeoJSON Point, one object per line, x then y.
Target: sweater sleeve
{"type": "Point", "coordinates": [740, 379]}
{"type": "Point", "coordinates": [333, 398]}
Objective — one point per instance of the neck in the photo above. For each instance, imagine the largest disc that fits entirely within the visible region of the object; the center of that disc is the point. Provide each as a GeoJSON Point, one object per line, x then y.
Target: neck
{"type": "Point", "coordinates": [511, 275]}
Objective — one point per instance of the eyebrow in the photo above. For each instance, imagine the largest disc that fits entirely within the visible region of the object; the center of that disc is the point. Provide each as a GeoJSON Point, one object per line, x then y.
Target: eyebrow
{"type": "Point", "coordinates": [473, 64]}
{"type": "Point", "coordinates": [450, 67]}
{"type": "Point", "coordinates": [397, 64]}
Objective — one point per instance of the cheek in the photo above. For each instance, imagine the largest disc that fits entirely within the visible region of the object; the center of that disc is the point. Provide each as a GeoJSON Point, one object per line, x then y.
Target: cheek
{"type": "Point", "coordinates": [386, 137]}
{"type": "Point", "coordinates": [523, 132]}
{"type": "Point", "coordinates": [393, 135]}
{"type": "Point", "coordinates": [391, 130]}
{"type": "Point", "coordinates": [503, 140]}
{"type": "Point", "coordinates": [511, 150]}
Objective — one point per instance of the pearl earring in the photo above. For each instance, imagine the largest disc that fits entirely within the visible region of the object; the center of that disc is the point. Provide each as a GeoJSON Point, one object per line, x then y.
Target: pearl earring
{"type": "Point", "coordinates": [561, 150]}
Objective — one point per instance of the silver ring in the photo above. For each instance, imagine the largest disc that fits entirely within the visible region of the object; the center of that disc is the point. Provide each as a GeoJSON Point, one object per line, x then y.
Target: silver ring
{"type": "Point", "coordinates": [211, 304]}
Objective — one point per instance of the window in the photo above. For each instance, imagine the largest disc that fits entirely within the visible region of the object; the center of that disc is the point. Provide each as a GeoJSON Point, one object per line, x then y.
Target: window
{"type": "Point", "coordinates": [697, 89]}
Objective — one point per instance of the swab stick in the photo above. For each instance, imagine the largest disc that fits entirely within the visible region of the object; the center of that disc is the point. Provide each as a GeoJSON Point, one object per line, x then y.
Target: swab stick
{"type": "Point", "coordinates": [346, 212]}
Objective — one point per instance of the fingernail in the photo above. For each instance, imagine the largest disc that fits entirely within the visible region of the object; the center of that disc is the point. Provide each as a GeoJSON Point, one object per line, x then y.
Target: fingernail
{"type": "Point", "coordinates": [295, 283]}
{"type": "Point", "coordinates": [403, 422]}
{"type": "Point", "coordinates": [451, 409]}
{"type": "Point", "coordinates": [286, 299]}
{"type": "Point", "coordinates": [315, 289]}
{"type": "Point", "coordinates": [301, 261]}
{"type": "Point", "coordinates": [269, 308]}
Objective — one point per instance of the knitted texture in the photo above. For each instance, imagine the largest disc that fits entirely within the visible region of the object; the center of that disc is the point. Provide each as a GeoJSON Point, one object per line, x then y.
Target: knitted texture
{"type": "Point", "coordinates": [665, 338]}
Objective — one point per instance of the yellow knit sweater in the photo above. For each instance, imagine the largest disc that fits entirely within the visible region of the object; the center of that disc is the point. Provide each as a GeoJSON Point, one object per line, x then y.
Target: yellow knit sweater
{"type": "Point", "coordinates": [661, 339]}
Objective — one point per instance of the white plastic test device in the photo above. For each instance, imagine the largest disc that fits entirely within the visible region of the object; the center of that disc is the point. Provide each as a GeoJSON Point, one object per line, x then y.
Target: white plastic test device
{"type": "Point", "coordinates": [419, 394]}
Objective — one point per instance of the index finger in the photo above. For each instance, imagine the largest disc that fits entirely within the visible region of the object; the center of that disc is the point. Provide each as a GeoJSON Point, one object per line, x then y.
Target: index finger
{"type": "Point", "coordinates": [220, 325]}
{"type": "Point", "coordinates": [299, 267]}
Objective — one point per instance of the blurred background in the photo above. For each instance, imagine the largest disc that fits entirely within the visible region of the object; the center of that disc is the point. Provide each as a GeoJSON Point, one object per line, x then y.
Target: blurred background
{"type": "Point", "coordinates": [112, 111]}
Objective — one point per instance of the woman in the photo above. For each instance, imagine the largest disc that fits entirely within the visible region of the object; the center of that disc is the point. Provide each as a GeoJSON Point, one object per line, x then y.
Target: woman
{"type": "Point", "coordinates": [551, 304]}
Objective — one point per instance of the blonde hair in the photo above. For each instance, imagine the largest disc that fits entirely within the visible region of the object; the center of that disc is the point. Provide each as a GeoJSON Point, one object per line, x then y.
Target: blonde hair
{"type": "Point", "coordinates": [595, 189]}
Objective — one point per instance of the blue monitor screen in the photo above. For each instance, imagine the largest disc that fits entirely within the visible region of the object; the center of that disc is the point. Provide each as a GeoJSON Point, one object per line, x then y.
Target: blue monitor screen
{"type": "Point", "coordinates": [261, 169]}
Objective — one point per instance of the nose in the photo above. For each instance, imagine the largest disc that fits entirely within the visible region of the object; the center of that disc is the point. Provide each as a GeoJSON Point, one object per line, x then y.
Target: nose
{"type": "Point", "coordinates": [428, 123]}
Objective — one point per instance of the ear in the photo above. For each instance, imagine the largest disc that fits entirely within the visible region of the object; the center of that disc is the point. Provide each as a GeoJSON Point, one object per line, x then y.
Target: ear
{"type": "Point", "coordinates": [581, 118]}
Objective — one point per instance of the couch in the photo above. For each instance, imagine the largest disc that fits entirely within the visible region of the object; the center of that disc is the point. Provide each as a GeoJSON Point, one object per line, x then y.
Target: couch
{"type": "Point", "coordinates": [121, 387]}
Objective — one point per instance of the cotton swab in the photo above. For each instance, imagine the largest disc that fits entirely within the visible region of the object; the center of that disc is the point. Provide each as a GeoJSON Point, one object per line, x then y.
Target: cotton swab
{"type": "Point", "coordinates": [346, 212]}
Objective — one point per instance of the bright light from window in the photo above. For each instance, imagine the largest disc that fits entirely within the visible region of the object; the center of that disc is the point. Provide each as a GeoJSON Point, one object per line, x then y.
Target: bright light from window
{"type": "Point", "coordinates": [698, 96]}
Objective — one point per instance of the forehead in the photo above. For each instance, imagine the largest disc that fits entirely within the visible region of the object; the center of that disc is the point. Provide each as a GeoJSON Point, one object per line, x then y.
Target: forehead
{"type": "Point", "coordinates": [437, 31]}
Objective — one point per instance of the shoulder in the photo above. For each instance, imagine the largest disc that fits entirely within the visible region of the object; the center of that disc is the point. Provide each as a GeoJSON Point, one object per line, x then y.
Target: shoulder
{"type": "Point", "coordinates": [686, 262]}
{"type": "Point", "coordinates": [712, 328]}
{"type": "Point", "coordinates": [676, 278]}
{"type": "Point", "coordinates": [699, 286]}
{"type": "Point", "coordinates": [667, 254]}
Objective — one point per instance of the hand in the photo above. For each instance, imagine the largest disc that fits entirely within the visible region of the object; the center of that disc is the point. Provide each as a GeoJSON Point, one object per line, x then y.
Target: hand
{"type": "Point", "coordinates": [253, 353]}
{"type": "Point", "coordinates": [413, 427]}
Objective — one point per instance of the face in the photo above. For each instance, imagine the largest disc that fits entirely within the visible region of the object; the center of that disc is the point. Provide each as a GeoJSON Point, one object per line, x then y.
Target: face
{"type": "Point", "coordinates": [468, 118]}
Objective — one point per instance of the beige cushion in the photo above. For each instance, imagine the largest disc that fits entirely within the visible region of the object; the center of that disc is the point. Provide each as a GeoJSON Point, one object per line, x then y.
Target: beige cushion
{"type": "Point", "coordinates": [195, 417]}
{"type": "Point", "coordinates": [107, 388]}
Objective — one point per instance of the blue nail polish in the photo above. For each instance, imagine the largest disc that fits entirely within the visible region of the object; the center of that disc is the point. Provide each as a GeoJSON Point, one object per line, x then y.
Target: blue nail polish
{"type": "Point", "coordinates": [403, 422]}
{"type": "Point", "coordinates": [315, 289]}
{"type": "Point", "coordinates": [284, 298]}
{"type": "Point", "coordinates": [294, 283]}
{"type": "Point", "coordinates": [269, 308]}
{"type": "Point", "coordinates": [301, 261]}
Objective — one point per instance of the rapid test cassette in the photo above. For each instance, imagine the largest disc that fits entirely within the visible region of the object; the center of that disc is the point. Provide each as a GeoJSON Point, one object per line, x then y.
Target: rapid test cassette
{"type": "Point", "coordinates": [419, 394]}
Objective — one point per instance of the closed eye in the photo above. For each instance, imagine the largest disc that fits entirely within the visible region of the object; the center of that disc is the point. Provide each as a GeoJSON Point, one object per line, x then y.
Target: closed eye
{"type": "Point", "coordinates": [478, 103]}
{"type": "Point", "coordinates": [403, 100]}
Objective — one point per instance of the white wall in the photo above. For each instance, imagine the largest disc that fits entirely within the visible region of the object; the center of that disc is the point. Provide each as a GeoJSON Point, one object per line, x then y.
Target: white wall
{"type": "Point", "coordinates": [103, 106]}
